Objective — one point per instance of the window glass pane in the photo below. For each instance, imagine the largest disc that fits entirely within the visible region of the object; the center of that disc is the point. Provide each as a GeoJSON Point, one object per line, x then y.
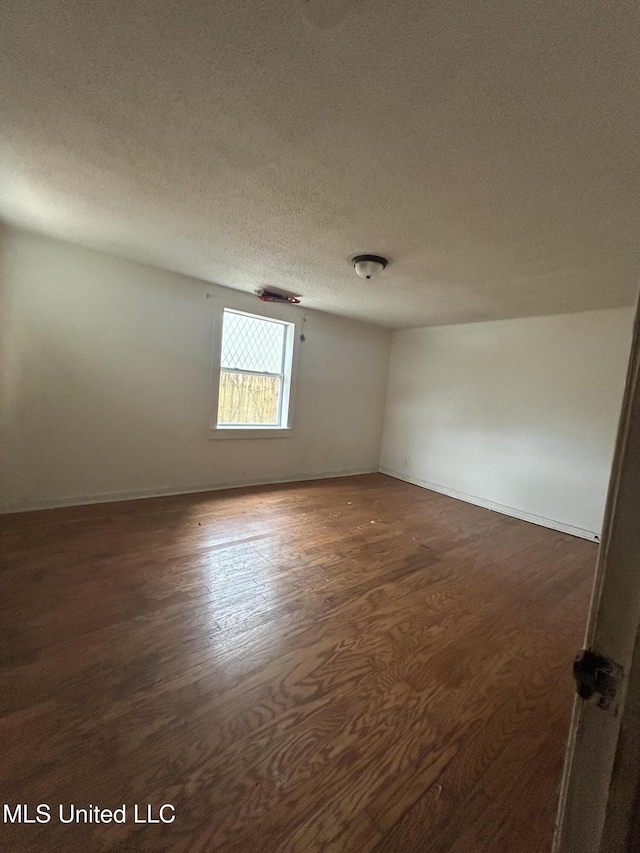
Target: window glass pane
{"type": "Point", "coordinates": [249, 343]}
{"type": "Point", "coordinates": [248, 399]}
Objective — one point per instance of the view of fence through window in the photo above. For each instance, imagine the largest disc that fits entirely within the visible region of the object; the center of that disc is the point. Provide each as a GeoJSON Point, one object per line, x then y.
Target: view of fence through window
{"type": "Point", "coordinates": [247, 399]}
{"type": "Point", "coordinates": [251, 371]}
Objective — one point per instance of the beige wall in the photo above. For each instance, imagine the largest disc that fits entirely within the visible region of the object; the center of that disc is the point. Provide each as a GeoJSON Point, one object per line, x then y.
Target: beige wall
{"type": "Point", "coordinates": [518, 415]}
{"type": "Point", "coordinates": [105, 380]}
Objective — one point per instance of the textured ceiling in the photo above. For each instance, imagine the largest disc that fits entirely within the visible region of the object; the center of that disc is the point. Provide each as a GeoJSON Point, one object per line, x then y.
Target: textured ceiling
{"type": "Point", "coordinates": [488, 149]}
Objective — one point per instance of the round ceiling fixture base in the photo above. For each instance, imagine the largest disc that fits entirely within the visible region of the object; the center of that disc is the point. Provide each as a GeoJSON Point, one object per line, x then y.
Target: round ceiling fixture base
{"type": "Point", "coordinates": [367, 266]}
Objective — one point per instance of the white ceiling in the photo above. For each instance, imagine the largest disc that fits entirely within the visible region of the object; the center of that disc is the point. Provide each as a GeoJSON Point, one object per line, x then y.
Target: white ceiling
{"type": "Point", "coordinates": [488, 148]}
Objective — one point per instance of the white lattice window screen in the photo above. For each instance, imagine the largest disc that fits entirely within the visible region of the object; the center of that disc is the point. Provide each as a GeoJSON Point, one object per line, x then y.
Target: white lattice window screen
{"type": "Point", "coordinates": [252, 344]}
{"type": "Point", "coordinates": [252, 371]}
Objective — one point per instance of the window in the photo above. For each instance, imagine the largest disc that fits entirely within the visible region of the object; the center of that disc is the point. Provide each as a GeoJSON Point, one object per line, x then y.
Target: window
{"type": "Point", "coordinates": [255, 372]}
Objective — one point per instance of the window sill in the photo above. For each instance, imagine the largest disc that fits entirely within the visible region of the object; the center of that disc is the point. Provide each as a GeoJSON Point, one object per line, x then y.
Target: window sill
{"type": "Point", "coordinates": [251, 432]}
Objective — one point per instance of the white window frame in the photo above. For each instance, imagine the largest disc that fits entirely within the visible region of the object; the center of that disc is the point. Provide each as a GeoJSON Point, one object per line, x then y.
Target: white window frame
{"type": "Point", "coordinates": [284, 429]}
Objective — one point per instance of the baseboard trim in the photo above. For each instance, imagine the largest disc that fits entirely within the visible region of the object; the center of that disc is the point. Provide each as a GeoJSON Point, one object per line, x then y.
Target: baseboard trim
{"type": "Point", "coordinates": [496, 507]}
{"type": "Point", "coordinates": [142, 494]}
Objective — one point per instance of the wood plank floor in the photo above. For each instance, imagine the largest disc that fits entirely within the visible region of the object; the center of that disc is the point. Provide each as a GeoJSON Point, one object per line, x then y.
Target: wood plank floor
{"type": "Point", "coordinates": [343, 665]}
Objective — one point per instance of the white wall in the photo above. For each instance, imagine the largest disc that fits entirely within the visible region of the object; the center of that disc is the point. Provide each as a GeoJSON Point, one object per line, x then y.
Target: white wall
{"type": "Point", "coordinates": [105, 373]}
{"type": "Point", "coordinates": [519, 415]}
{"type": "Point", "coordinates": [105, 379]}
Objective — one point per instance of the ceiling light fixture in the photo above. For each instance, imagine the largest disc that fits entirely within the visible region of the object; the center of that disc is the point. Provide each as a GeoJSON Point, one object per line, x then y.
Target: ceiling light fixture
{"type": "Point", "coordinates": [367, 266]}
{"type": "Point", "coordinates": [268, 295]}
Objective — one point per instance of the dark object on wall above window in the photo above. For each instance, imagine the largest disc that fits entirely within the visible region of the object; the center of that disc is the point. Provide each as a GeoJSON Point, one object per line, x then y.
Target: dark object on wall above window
{"type": "Point", "coordinates": [277, 296]}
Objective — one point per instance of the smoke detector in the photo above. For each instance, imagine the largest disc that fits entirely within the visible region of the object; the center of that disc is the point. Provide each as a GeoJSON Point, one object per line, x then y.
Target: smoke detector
{"type": "Point", "coordinates": [366, 266]}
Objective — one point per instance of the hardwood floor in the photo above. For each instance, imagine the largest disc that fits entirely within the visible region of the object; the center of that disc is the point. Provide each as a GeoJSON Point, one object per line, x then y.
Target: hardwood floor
{"type": "Point", "coordinates": [343, 665]}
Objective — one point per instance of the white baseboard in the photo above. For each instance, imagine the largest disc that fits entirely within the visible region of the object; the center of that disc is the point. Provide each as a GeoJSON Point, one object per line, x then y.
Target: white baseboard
{"type": "Point", "coordinates": [505, 510]}
{"type": "Point", "coordinates": [141, 494]}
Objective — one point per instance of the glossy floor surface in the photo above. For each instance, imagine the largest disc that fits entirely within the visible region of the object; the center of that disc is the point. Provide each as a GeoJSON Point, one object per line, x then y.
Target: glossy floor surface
{"type": "Point", "coordinates": [343, 665]}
